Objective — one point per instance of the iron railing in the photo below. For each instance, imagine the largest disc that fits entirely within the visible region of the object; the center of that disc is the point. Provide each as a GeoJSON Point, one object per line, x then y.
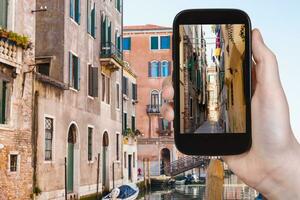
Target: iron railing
{"type": "Point", "coordinates": [153, 109]}
{"type": "Point", "coordinates": [184, 164]}
{"type": "Point", "coordinates": [109, 50]}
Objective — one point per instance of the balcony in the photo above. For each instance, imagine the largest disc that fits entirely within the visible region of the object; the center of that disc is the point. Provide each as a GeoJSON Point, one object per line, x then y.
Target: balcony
{"type": "Point", "coordinates": [111, 57]}
{"type": "Point", "coordinates": [164, 132]}
{"type": "Point", "coordinates": [11, 53]}
{"type": "Point", "coordinates": [153, 109]}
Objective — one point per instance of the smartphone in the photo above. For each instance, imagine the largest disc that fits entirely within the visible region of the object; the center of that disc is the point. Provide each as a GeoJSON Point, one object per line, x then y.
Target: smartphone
{"type": "Point", "coordinates": [212, 81]}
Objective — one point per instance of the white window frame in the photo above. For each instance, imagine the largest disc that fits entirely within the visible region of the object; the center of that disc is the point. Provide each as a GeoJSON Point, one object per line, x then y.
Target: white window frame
{"type": "Point", "coordinates": [53, 139]}
{"type": "Point", "coordinates": [18, 162]}
{"type": "Point", "coordinates": [87, 142]}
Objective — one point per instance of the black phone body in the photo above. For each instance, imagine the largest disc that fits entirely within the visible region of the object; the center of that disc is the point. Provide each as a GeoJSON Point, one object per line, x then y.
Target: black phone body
{"type": "Point", "coordinates": [212, 81]}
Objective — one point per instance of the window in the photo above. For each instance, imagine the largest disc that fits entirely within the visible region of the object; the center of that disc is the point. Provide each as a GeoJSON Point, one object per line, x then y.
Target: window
{"type": "Point", "coordinates": [118, 95]}
{"type": "Point", "coordinates": [133, 162]}
{"type": "Point", "coordinates": [134, 91]}
{"type": "Point", "coordinates": [127, 44]}
{"type": "Point", "coordinates": [117, 146]}
{"type": "Point", "coordinates": [133, 123]}
{"type": "Point", "coordinates": [231, 91]}
{"type": "Point", "coordinates": [74, 71]}
{"type": "Point", "coordinates": [125, 121]}
{"type": "Point", "coordinates": [165, 68]}
{"type": "Point", "coordinates": [4, 101]}
{"type": "Point", "coordinates": [118, 40]}
{"type": "Point", "coordinates": [13, 162]}
{"type": "Point", "coordinates": [154, 98]}
{"type": "Point", "coordinates": [75, 10]}
{"type": "Point", "coordinates": [154, 69]}
{"type": "Point", "coordinates": [154, 42]}
{"type": "Point", "coordinates": [90, 143]}
{"type": "Point", "coordinates": [164, 125]}
{"type": "Point", "coordinates": [48, 138]}
{"type": "Point", "coordinates": [191, 107]}
{"type": "Point", "coordinates": [3, 13]}
{"type": "Point", "coordinates": [165, 42]}
{"type": "Point", "coordinates": [125, 85]}
{"type": "Point", "coordinates": [108, 90]}
{"type": "Point", "coordinates": [44, 69]}
{"type": "Point", "coordinates": [125, 160]}
{"type": "Point", "coordinates": [105, 32]}
{"type": "Point", "coordinates": [91, 17]}
{"type": "Point", "coordinates": [93, 81]}
{"type": "Point", "coordinates": [105, 88]}
{"type": "Point", "coordinates": [118, 5]}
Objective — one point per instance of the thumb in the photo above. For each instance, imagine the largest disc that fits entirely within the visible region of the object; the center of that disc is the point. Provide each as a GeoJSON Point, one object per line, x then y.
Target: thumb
{"type": "Point", "coordinates": [266, 67]}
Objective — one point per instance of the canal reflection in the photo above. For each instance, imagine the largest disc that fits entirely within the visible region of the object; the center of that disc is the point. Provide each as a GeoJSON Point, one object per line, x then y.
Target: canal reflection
{"type": "Point", "coordinates": [233, 189]}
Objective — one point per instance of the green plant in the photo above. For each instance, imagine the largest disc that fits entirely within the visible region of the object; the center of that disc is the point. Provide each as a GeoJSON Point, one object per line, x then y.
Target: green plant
{"type": "Point", "coordinates": [19, 40]}
{"type": "Point", "coordinates": [37, 191]}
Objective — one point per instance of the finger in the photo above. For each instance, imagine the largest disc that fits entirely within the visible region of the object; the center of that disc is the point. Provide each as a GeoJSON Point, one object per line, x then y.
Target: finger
{"type": "Point", "coordinates": [266, 64]}
{"type": "Point", "coordinates": [253, 77]}
{"type": "Point", "coordinates": [167, 89]}
{"type": "Point", "coordinates": [167, 112]}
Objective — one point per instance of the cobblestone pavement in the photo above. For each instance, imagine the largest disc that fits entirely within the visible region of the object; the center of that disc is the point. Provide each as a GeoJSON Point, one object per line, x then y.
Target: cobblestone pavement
{"type": "Point", "coordinates": [209, 127]}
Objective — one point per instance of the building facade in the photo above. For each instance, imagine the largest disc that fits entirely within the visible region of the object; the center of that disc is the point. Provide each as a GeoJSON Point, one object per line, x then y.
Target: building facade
{"type": "Point", "coordinates": [17, 31]}
{"type": "Point", "coordinates": [148, 50]}
{"type": "Point", "coordinates": [130, 132]}
{"type": "Point", "coordinates": [193, 66]}
{"type": "Point", "coordinates": [78, 109]}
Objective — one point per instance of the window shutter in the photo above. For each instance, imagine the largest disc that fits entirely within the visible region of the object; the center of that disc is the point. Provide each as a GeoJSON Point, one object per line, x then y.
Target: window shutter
{"type": "Point", "coordinates": [129, 45]}
{"type": "Point", "coordinates": [159, 69]}
{"type": "Point", "coordinates": [3, 13]}
{"type": "Point", "coordinates": [109, 34]}
{"type": "Point", "coordinates": [93, 18]}
{"type": "Point", "coordinates": [88, 16]}
{"type": "Point", "coordinates": [90, 80]}
{"type": "Point", "coordinates": [70, 70]}
{"type": "Point", "coordinates": [149, 69]}
{"type": "Point", "coordinates": [78, 74]}
{"type": "Point", "coordinates": [160, 124]}
{"type": "Point", "coordinates": [169, 68]}
{"type": "Point", "coordinates": [72, 9]}
{"type": "Point", "coordinates": [95, 81]}
{"type": "Point", "coordinates": [77, 12]}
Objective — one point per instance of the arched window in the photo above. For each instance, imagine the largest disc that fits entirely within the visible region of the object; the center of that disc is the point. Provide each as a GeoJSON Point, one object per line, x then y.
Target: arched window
{"type": "Point", "coordinates": [155, 98]}
{"type": "Point", "coordinates": [165, 70]}
{"type": "Point", "coordinates": [154, 69]}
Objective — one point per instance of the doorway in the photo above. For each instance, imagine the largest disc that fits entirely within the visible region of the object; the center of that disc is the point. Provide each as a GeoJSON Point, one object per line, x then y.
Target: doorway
{"type": "Point", "coordinates": [105, 163]}
{"type": "Point", "coordinates": [130, 168]}
{"type": "Point", "coordinates": [70, 158]}
{"type": "Point", "coordinates": [164, 159]}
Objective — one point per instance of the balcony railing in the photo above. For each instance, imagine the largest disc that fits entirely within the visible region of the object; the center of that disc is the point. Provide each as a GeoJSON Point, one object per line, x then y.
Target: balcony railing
{"type": "Point", "coordinates": [166, 132]}
{"type": "Point", "coordinates": [153, 109]}
{"type": "Point", "coordinates": [109, 50]}
{"type": "Point", "coordinates": [10, 53]}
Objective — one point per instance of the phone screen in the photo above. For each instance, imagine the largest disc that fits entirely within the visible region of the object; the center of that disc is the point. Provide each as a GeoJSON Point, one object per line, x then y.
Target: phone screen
{"type": "Point", "coordinates": [212, 67]}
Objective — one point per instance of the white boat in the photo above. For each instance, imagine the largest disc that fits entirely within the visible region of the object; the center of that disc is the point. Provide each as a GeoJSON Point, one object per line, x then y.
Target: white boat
{"type": "Point", "coordinates": [180, 182]}
{"type": "Point", "coordinates": [124, 192]}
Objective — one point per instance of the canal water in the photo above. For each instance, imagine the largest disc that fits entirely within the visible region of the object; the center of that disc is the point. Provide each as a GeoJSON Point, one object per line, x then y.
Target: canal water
{"type": "Point", "coordinates": [233, 190]}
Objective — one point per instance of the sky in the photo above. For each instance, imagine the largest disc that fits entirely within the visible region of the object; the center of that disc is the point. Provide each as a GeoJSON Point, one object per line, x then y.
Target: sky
{"type": "Point", "coordinates": [277, 20]}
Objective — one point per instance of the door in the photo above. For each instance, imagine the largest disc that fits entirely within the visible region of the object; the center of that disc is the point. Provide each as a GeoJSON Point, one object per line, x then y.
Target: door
{"type": "Point", "coordinates": [70, 163]}
{"type": "Point", "coordinates": [130, 168]}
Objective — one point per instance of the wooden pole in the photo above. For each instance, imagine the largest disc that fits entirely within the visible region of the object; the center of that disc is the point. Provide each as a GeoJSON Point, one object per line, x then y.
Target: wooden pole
{"type": "Point", "coordinates": [148, 171]}
{"type": "Point", "coordinates": [98, 169]}
{"type": "Point", "coordinates": [214, 180]}
{"type": "Point", "coordinates": [144, 173]}
{"type": "Point", "coordinates": [66, 192]}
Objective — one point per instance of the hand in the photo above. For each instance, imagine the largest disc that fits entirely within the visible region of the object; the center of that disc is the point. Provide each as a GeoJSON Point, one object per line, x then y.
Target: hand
{"type": "Point", "coordinates": [272, 165]}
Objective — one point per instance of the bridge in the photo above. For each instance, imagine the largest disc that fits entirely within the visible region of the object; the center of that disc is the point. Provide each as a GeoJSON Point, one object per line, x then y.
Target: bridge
{"type": "Point", "coordinates": [185, 163]}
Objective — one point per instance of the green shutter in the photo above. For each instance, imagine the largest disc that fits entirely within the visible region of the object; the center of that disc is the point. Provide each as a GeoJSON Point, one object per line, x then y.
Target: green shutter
{"type": "Point", "coordinates": [72, 9]}
{"type": "Point", "coordinates": [3, 101]}
{"type": "Point", "coordinates": [78, 74]}
{"type": "Point", "coordinates": [95, 81]}
{"type": "Point", "coordinates": [109, 33]}
{"type": "Point", "coordinates": [89, 16]}
{"type": "Point", "coordinates": [70, 69]}
{"type": "Point", "coordinates": [154, 42]}
{"type": "Point", "coordinates": [77, 11]}
{"type": "Point", "coordinates": [3, 13]}
{"type": "Point", "coordinates": [93, 18]}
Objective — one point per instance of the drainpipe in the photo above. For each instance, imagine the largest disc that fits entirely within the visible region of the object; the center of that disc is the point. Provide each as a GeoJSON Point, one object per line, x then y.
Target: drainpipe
{"type": "Point", "coordinates": [122, 101]}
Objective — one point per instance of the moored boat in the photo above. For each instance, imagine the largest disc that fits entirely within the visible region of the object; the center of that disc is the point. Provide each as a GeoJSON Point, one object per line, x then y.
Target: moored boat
{"type": "Point", "coordinates": [123, 192]}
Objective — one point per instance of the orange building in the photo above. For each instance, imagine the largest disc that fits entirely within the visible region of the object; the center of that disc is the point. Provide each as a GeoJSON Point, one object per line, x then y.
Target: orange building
{"type": "Point", "coordinates": [148, 50]}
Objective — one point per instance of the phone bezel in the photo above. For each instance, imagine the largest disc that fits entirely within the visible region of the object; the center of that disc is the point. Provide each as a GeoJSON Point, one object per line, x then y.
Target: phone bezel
{"type": "Point", "coordinates": [212, 144]}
